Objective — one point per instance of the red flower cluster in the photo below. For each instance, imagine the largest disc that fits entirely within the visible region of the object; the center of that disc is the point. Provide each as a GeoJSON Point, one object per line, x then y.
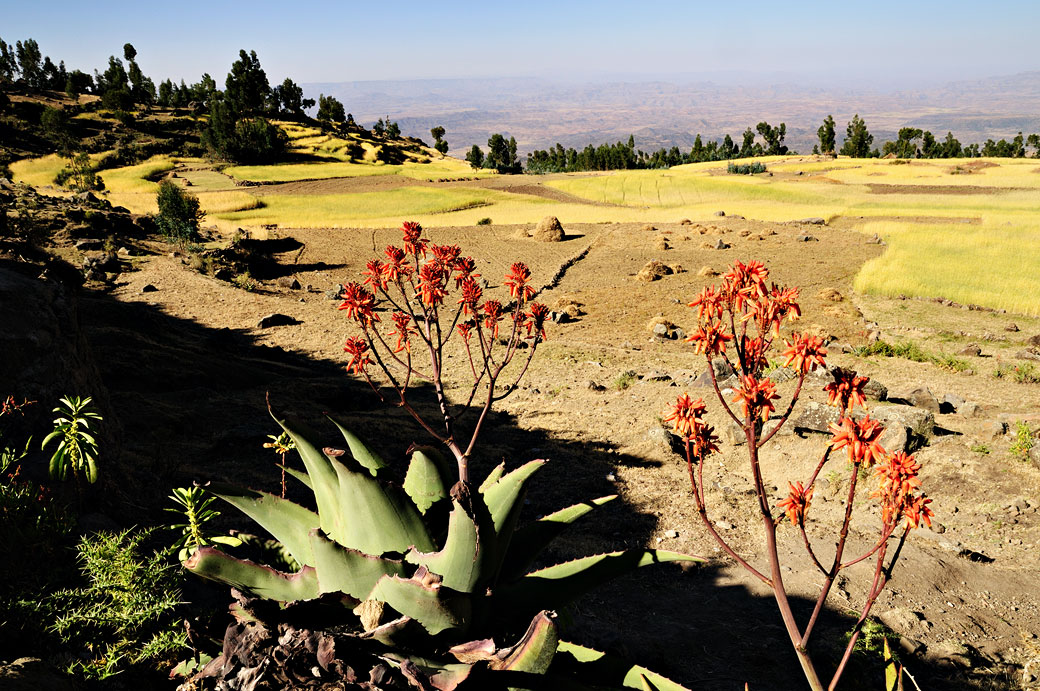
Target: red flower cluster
{"type": "Point", "coordinates": [471, 294]}
{"type": "Point", "coordinates": [492, 310]}
{"type": "Point", "coordinates": [860, 439]}
{"type": "Point", "coordinates": [414, 243]}
{"type": "Point", "coordinates": [796, 506]}
{"type": "Point", "coordinates": [517, 279]}
{"type": "Point", "coordinates": [687, 418]}
{"type": "Point", "coordinates": [359, 304]}
{"type": "Point", "coordinates": [537, 314]}
{"type": "Point", "coordinates": [898, 486]}
{"type": "Point", "coordinates": [846, 391]}
{"type": "Point", "coordinates": [403, 330]}
{"type": "Point", "coordinates": [395, 268]}
{"type": "Point", "coordinates": [357, 348]}
{"type": "Point", "coordinates": [710, 338]}
{"type": "Point", "coordinates": [756, 397]}
{"type": "Point", "coordinates": [805, 352]}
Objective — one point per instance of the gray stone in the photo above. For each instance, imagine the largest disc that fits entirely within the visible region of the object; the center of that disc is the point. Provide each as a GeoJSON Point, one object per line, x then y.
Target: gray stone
{"type": "Point", "coordinates": [814, 221]}
{"type": "Point", "coordinates": [1034, 340]}
{"type": "Point", "coordinates": [593, 386]}
{"type": "Point", "coordinates": [781, 375]}
{"type": "Point", "coordinates": [923, 398]}
{"type": "Point", "coordinates": [996, 429]}
{"type": "Point", "coordinates": [875, 390]}
{"type": "Point", "coordinates": [895, 438]}
{"type": "Point", "coordinates": [1013, 328]}
{"type": "Point", "coordinates": [720, 213]}
{"type": "Point", "coordinates": [661, 330]}
{"type": "Point", "coordinates": [149, 288]}
{"type": "Point", "coordinates": [734, 434]}
{"type": "Point", "coordinates": [816, 417]}
{"type": "Point", "coordinates": [951, 403]}
{"type": "Point", "coordinates": [971, 350]}
{"type": "Point", "coordinates": [968, 409]}
{"type": "Point", "coordinates": [721, 244]}
{"type": "Point", "coordinates": [560, 317]}
{"type": "Point", "coordinates": [770, 425]}
{"type": "Point", "coordinates": [657, 375]}
{"type": "Point", "coordinates": [276, 319]}
{"type": "Point", "coordinates": [289, 282]}
{"type": "Point", "coordinates": [724, 525]}
{"type": "Point", "coordinates": [89, 245]}
{"type": "Point", "coordinates": [806, 238]}
{"type": "Point", "coordinates": [1027, 355]}
{"type": "Point", "coordinates": [671, 534]}
{"type": "Point", "coordinates": [918, 422]}
{"type": "Point", "coordinates": [666, 440]}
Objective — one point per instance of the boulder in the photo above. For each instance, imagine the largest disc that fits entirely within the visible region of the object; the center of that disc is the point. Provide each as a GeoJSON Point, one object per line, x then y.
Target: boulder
{"type": "Point", "coordinates": [276, 319]}
{"type": "Point", "coordinates": [923, 397]}
{"type": "Point", "coordinates": [721, 244]}
{"type": "Point", "coordinates": [720, 213]}
{"type": "Point", "coordinates": [918, 422]}
{"type": "Point", "coordinates": [816, 417]}
{"type": "Point", "coordinates": [549, 230]}
{"type": "Point", "coordinates": [971, 350]}
{"type": "Point", "coordinates": [289, 282]}
{"type": "Point", "coordinates": [806, 238]}
{"type": "Point", "coordinates": [814, 221]}
{"type": "Point", "coordinates": [875, 390]}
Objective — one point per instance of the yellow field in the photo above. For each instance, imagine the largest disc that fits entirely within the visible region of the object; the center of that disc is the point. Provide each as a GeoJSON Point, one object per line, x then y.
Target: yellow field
{"type": "Point", "coordinates": [982, 254]}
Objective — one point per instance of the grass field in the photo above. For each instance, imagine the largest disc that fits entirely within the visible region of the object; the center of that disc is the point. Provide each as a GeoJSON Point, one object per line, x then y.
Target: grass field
{"type": "Point", "coordinates": [982, 254]}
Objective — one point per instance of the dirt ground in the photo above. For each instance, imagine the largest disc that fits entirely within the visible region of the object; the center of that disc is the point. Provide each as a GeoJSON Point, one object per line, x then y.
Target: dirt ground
{"type": "Point", "coordinates": [187, 369]}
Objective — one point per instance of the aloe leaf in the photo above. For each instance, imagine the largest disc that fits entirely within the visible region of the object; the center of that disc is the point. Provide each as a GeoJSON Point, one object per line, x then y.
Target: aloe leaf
{"type": "Point", "coordinates": [324, 481]}
{"type": "Point", "coordinates": [443, 676]}
{"type": "Point", "coordinates": [288, 522]}
{"type": "Point", "coordinates": [360, 451]}
{"type": "Point", "coordinates": [435, 607]}
{"type": "Point", "coordinates": [463, 562]}
{"type": "Point", "coordinates": [255, 579]}
{"type": "Point", "coordinates": [530, 540]}
{"type": "Point", "coordinates": [534, 652]}
{"type": "Point", "coordinates": [425, 482]}
{"type": "Point", "coordinates": [375, 517]}
{"type": "Point", "coordinates": [346, 570]}
{"type": "Point", "coordinates": [596, 668]}
{"type": "Point", "coordinates": [493, 477]}
{"type": "Point", "coordinates": [503, 495]}
{"type": "Point", "coordinates": [555, 586]}
{"type": "Point", "coordinates": [299, 475]}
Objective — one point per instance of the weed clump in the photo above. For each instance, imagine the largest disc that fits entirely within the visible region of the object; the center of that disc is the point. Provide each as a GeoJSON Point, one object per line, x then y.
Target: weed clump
{"type": "Point", "coordinates": [913, 352]}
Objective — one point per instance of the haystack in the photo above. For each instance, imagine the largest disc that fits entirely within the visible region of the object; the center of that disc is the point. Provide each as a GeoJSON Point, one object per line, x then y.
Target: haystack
{"type": "Point", "coordinates": [653, 271]}
{"type": "Point", "coordinates": [549, 230]}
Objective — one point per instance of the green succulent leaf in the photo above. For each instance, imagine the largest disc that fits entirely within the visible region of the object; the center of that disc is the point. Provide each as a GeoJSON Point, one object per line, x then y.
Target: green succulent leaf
{"type": "Point", "coordinates": [346, 570]}
{"type": "Point", "coordinates": [555, 586]}
{"type": "Point", "coordinates": [595, 668]}
{"type": "Point", "coordinates": [535, 651]}
{"type": "Point", "coordinates": [503, 495]}
{"type": "Point", "coordinates": [425, 480]}
{"type": "Point", "coordinates": [360, 451]}
{"type": "Point", "coordinates": [494, 476]}
{"type": "Point", "coordinates": [288, 522]}
{"type": "Point", "coordinates": [324, 481]}
{"type": "Point", "coordinates": [531, 539]}
{"type": "Point", "coordinates": [255, 579]}
{"type": "Point", "coordinates": [299, 475]}
{"type": "Point", "coordinates": [464, 563]}
{"type": "Point", "coordinates": [443, 676]}
{"type": "Point", "coordinates": [435, 607]}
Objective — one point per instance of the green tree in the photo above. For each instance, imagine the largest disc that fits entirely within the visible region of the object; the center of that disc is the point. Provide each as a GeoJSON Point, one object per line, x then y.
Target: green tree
{"type": "Point", "coordinates": [392, 130]}
{"type": "Point", "coordinates": [826, 135]}
{"type": "Point", "coordinates": [774, 137]}
{"type": "Point", "coordinates": [55, 123]}
{"type": "Point", "coordinates": [951, 148]}
{"type": "Point", "coordinates": [8, 62]}
{"type": "Point", "coordinates": [857, 139]}
{"type": "Point", "coordinates": [330, 109]}
{"type": "Point", "coordinates": [379, 128]}
{"type": "Point", "coordinates": [475, 157]}
{"type": "Point", "coordinates": [179, 213]}
{"type": "Point", "coordinates": [114, 86]}
{"type": "Point", "coordinates": [747, 146]}
{"type": "Point", "coordinates": [78, 83]}
{"type": "Point", "coordinates": [290, 97]}
{"type": "Point", "coordinates": [246, 88]}
{"type": "Point", "coordinates": [30, 63]}
{"type": "Point", "coordinates": [438, 139]}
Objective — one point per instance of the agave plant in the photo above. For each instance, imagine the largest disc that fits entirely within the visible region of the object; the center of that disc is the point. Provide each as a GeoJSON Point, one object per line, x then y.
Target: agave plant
{"type": "Point", "coordinates": [426, 595]}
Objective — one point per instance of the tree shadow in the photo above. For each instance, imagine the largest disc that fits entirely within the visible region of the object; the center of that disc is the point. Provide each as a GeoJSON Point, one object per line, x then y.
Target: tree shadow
{"type": "Point", "coordinates": [190, 402]}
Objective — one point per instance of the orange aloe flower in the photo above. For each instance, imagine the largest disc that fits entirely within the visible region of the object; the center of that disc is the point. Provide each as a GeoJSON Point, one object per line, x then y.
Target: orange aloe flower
{"type": "Point", "coordinates": [413, 242]}
{"type": "Point", "coordinates": [710, 338]}
{"type": "Point", "coordinates": [403, 330]}
{"type": "Point", "coordinates": [358, 350]}
{"type": "Point", "coordinates": [805, 352]}
{"type": "Point", "coordinates": [756, 397]}
{"type": "Point", "coordinates": [859, 438]}
{"type": "Point", "coordinates": [796, 506]}
{"type": "Point", "coordinates": [846, 391]}
{"type": "Point", "coordinates": [517, 279]}
{"type": "Point", "coordinates": [359, 304]}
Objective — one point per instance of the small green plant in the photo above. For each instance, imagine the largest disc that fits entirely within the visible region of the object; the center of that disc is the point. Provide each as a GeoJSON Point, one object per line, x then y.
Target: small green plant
{"type": "Point", "coordinates": [484, 221]}
{"type": "Point", "coordinates": [244, 281]}
{"type": "Point", "coordinates": [1023, 440]}
{"type": "Point", "coordinates": [282, 445]}
{"type": "Point", "coordinates": [125, 614]}
{"type": "Point", "coordinates": [745, 168]}
{"type": "Point", "coordinates": [1025, 373]}
{"type": "Point", "coordinates": [77, 447]}
{"type": "Point", "coordinates": [981, 449]}
{"type": "Point", "coordinates": [79, 175]}
{"type": "Point", "coordinates": [909, 350]}
{"type": "Point", "coordinates": [179, 213]}
{"type": "Point", "coordinates": [194, 505]}
{"type": "Point", "coordinates": [624, 380]}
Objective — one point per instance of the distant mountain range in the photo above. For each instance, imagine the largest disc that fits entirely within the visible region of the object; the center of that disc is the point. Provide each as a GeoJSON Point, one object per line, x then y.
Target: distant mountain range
{"type": "Point", "coordinates": [541, 112]}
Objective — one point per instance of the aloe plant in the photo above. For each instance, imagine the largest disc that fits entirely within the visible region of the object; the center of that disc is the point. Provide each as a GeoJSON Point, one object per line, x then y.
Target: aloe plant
{"type": "Point", "coordinates": [436, 590]}
{"type": "Point", "coordinates": [77, 447]}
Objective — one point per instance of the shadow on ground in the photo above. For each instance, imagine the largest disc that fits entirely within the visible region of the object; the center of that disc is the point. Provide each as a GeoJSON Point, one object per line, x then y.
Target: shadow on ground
{"type": "Point", "coordinates": [191, 405]}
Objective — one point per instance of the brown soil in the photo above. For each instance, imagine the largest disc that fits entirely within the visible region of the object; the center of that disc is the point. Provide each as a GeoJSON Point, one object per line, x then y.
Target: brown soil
{"type": "Point", "coordinates": [187, 371]}
{"type": "Point", "coordinates": [879, 188]}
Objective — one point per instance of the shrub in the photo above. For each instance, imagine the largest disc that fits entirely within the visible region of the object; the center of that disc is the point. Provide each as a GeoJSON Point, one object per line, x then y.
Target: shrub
{"type": "Point", "coordinates": [1024, 373]}
{"type": "Point", "coordinates": [745, 168]}
{"type": "Point", "coordinates": [484, 221]}
{"type": "Point", "coordinates": [79, 175]}
{"type": "Point", "coordinates": [909, 350]}
{"type": "Point", "coordinates": [77, 449]}
{"type": "Point", "coordinates": [624, 380]}
{"type": "Point", "coordinates": [1023, 440]}
{"type": "Point", "coordinates": [179, 213]}
{"type": "Point", "coordinates": [744, 299]}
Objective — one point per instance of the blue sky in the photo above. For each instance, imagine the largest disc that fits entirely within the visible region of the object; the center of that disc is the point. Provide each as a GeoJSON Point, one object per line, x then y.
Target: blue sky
{"type": "Point", "coordinates": [881, 42]}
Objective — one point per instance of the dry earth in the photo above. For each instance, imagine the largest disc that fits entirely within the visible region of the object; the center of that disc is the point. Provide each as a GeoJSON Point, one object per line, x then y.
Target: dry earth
{"type": "Point", "coordinates": [187, 370]}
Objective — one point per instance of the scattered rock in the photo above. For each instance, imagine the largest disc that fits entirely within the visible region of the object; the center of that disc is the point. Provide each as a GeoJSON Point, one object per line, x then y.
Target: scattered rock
{"type": "Point", "coordinates": [662, 245]}
{"type": "Point", "coordinates": [1029, 354]}
{"type": "Point", "coordinates": [289, 282]}
{"type": "Point", "coordinates": [1034, 340]}
{"type": "Point", "coordinates": [770, 425]}
{"type": "Point", "coordinates": [593, 386]}
{"type": "Point", "coordinates": [895, 438]}
{"type": "Point", "coordinates": [671, 534]}
{"type": "Point", "coordinates": [721, 244]}
{"type": "Point", "coordinates": [549, 230]}
{"type": "Point", "coordinates": [653, 270]}
{"type": "Point", "coordinates": [806, 238]}
{"type": "Point", "coordinates": [657, 375]}
{"type": "Point", "coordinates": [686, 222]}
{"type": "Point", "coordinates": [149, 288]}
{"type": "Point", "coordinates": [276, 319]}
{"type": "Point", "coordinates": [923, 398]}
{"type": "Point", "coordinates": [724, 525]}
{"type": "Point", "coordinates": [707, 271]}
{"type": "Point", "coordinates": [971, 350]}
{"type": "Point", "coordinates": [830, 294]}
{"type": "Point", "coordinates": [649, 227]}
{"type": "Point", "coordinates": [875, 390]}
{"type": "Point", "coordinates": [876, 240]}
{"type": "Point", "coordinates": [720, 213]}
{"type": "Point", "coordinates": [951, 403]}
{"type": "Point", "coordinates": [968, 409]}
{"type": "Point", "coordinates": [918, 422]}
{"type": "Point", "coordinates": [816, 417]}
{"type": "Point", "coordinates": [1013, 328]}
{"type": "Point", "coordinates": [996, 429]}
{"type": "Point", "coordinates": [678, 269]}
{"type": "Point", "coordinates": [89, 245]}
{"type": "Point", "coordinates": [668, 442]}
{"type": "Point", "coordinates": [814, 221]}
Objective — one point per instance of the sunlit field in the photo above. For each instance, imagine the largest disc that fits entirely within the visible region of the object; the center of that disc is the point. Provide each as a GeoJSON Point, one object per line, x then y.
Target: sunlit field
{"type": "Point", "coordinates": [961, 229]}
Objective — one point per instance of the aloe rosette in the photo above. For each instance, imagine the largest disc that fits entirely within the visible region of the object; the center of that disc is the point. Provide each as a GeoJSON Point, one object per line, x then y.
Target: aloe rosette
{"type": "Point", "coordinates": [369, 546]}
